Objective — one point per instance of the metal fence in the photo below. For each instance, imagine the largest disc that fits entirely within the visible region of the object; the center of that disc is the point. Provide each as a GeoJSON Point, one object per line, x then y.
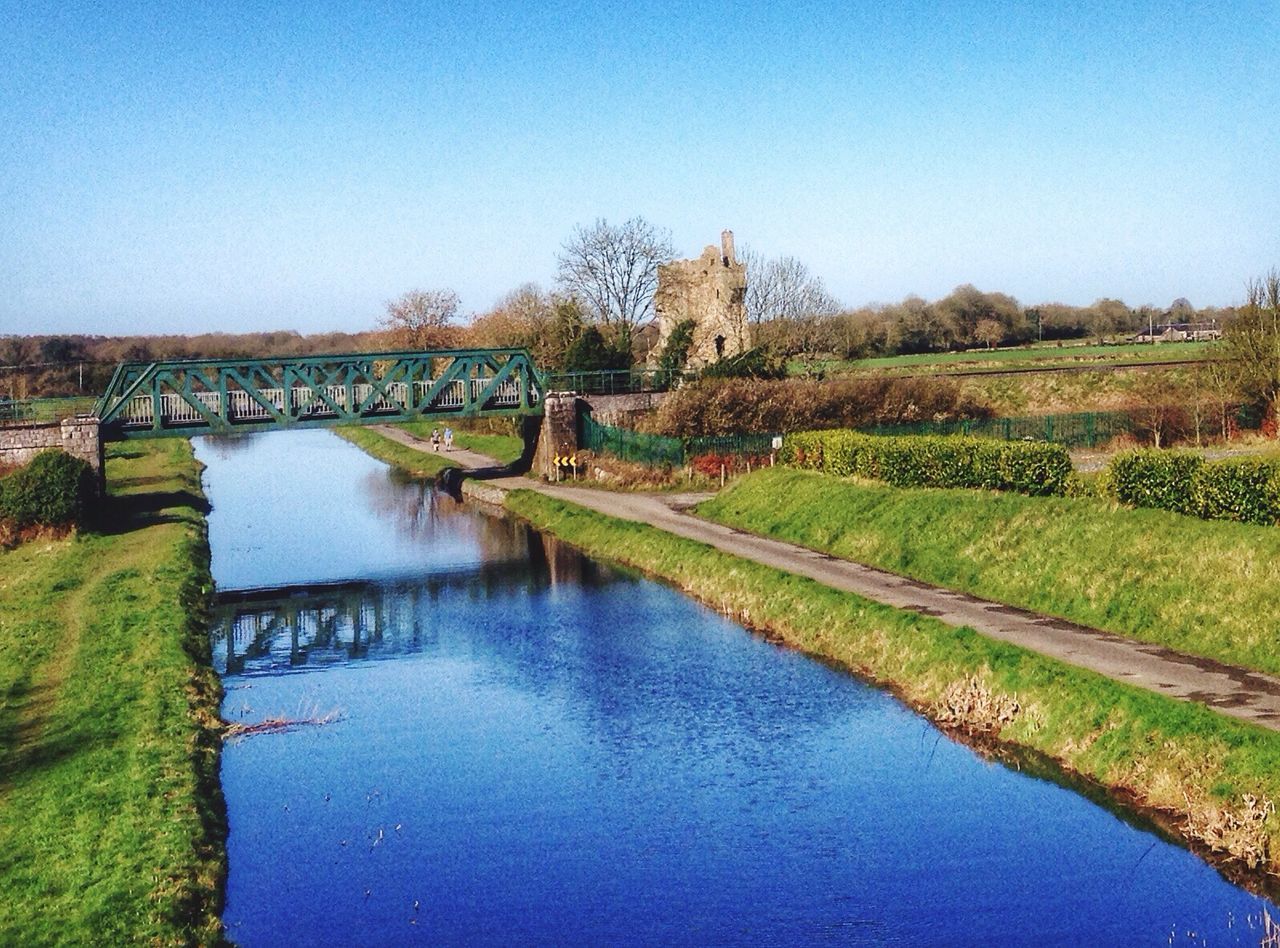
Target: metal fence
{"type": "Point", "coordinates": [613, 381]}
{"type": "Point", "coordinates": [735, 444]}
{"type": "Point", "coordinates": [18, 410]}
{"type": "Point", "coordinates": [629, 445]}
{"type": "Point", "coordinates": [1079, 430]}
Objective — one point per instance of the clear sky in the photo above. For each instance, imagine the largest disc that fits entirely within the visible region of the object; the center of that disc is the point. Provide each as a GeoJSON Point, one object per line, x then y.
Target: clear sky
{"type": "Point", "coordinates": [239, 166]}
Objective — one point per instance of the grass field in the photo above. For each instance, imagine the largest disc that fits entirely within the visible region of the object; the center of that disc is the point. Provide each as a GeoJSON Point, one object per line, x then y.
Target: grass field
{"type": "Point", "coordinates": [111, 822]}
{"type": "Point", "coordinates": [1198, 586]}
{"type": "Point", "coordinates": [1183, 759]}
{"type": "Point", "coordinates": [1002, 360]}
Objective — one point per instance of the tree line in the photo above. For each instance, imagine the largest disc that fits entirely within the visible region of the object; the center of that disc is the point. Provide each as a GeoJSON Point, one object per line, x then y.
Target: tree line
{"type": "Point", "coordinates": [607, 275]}
{"type": "Point", "coordinates": [599, 315]}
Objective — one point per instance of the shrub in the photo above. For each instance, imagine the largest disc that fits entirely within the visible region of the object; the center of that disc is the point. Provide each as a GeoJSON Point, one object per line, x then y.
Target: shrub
{"type": "Point", "coordinates": [1161, 479]}
{"type": "Point", "coordinates": [709, 464]}
{"type": "Point", "coordinates": [1243, 489]}
{"type": "Point", "coordinates": [752, 364]}
{"type": "Point", "coordinates": [728, 406]}
{"type": "Point", "coordinates": [54, 490]}
{"type": "Point", "coordinates": [1028, 467]}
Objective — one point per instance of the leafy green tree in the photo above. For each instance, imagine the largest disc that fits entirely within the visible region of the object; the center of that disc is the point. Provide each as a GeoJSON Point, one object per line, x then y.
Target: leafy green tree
{"type": "Point", "coordinates": [755, 363]}
{"type": "Point", "coordinates": [590, 352]}
{"type": "Point", "coordinates": [676, 352]}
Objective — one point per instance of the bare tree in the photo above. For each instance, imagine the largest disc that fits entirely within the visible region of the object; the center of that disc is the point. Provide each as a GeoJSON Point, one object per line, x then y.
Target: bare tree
{"type": "Point", "coordinates": [783, 288]}
{"type": "Point", "coordinates": [422, 319]}
{"type": "Point", "coordinates": [1251, 341]}
{"type": "Point", "coordinates": [544, 323]}
{"type": "Point", "coordinates": [1220, 379]}
{"type": "Point", "coordinates": [788, 307]}
{"type": "Point", "coordinates": [988, 331]}
{"type": "Point", "coordinates": [614, 269]}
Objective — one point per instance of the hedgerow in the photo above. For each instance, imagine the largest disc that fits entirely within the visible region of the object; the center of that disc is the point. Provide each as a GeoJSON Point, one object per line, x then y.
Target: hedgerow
{"type": "Point", "coordinates": [1243, 489]}
{"type": "Point", "coordinates": [1028, 467]}
{"type": "Point", "coordinates": [1154, 478]}
{"type": "Point", "coordinates": [725, 406]}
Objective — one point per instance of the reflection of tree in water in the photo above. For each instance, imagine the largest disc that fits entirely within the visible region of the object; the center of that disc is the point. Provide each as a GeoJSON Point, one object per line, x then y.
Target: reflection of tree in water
{"type": "Point", "coordinates": [418, 511]}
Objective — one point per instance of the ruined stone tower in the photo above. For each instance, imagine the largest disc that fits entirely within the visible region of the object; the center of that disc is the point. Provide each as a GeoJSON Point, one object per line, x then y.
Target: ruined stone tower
{"type": "Point", "coordinates": [711, 291]}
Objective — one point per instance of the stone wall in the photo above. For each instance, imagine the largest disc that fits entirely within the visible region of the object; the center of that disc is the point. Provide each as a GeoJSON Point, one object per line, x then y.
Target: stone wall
{"type": "Point", "coordinates": [711, 291]}
{"type": "Point", "coordinates": [623, 410]}
{"type": "Point", "coordinates": [77, 436]}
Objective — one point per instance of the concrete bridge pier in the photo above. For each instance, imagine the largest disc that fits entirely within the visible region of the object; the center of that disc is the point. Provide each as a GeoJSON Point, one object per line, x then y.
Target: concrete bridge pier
{"type": "Point", "coordinates": [559, 434]}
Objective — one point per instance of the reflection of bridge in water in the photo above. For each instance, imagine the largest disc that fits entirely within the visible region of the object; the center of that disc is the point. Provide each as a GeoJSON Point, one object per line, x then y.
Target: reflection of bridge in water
{"type": "Point", "coordinates": [263, 630]}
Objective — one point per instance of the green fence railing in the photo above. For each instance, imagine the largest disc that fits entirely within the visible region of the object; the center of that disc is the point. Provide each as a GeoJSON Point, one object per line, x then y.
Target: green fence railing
{"type": "Point", "coordinates": [42, 409]}
{"type": "Point", "coordinates": [627, 444]}
{"type": "Point", "coordinates": [1078, 430]}
{"type": "Point", "coordinates": [735, 444]}
{"type": "Point", "coordinates": [613, 381]}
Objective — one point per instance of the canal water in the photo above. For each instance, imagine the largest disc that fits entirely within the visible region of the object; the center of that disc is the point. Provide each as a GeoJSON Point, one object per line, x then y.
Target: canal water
{"type": "Point", "coordinates": [498, 741]}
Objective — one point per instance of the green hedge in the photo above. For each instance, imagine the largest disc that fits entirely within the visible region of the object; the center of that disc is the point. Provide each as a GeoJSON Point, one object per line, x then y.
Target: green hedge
{"type": "Point", "coordinates": [1243, 489]}
{"type": "Point", "coordinates": [54, 490]}
{"type": "Point", "coordinates": [1160, 479]}
{"type": "Point", "coordinates": [1028, 467]}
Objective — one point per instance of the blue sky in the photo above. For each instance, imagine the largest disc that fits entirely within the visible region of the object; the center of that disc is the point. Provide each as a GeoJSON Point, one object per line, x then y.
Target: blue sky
{"type": "Point", "coordinates": [241, 166]}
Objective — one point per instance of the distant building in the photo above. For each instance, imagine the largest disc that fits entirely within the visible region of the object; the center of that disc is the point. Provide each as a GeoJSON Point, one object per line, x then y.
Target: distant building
{"type": "Point", "coordinates": [712, 292]}
{"type": "Point", "coordinates": [1180, 332]}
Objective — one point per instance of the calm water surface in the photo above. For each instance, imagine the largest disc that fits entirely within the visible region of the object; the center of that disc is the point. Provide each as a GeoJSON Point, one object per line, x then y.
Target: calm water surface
{"type": "Point", "coordinates": [525, 746]}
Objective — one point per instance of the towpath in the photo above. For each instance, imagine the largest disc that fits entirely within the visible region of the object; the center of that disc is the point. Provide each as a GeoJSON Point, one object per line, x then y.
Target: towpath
{"type": "Point", "coordinates": [1232, 690]}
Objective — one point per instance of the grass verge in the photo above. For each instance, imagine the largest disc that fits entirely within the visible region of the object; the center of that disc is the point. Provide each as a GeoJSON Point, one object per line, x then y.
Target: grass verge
{"type": "Point", "coordinates": [1201, 587]}
{"type": "Point", "coordinates": [502, 448]}
{"type": "Point", "coordinates": [1210, 776]}
{"type": "Point", "coordinates": [410, 460]}
{"type": "Point", "coordinates": [111, 818]}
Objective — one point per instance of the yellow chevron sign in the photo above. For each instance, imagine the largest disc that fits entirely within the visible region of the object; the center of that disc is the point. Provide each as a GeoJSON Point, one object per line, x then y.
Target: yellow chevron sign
{"type": "Point", "coordinates": [565, 460]}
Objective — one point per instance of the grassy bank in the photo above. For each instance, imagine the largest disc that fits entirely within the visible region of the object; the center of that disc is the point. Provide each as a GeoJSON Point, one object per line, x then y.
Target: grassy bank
{"type": "Point", "coordinates": [1196, 766]}
{"type": "Point", "coordinates": [423, 462]}
{"type": "Point", "coordinates": [111, 821]}
{"type": "Point", "coordinates": [410, 460]}
{"type": "Point", "coordinates": [1201, 587]}
{"type": "Point", "coordinates": [503, 448]}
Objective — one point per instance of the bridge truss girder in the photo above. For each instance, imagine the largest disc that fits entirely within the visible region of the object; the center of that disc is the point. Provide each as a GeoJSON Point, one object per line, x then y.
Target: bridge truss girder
{"type": "Point", "coordinates": [221, 396]}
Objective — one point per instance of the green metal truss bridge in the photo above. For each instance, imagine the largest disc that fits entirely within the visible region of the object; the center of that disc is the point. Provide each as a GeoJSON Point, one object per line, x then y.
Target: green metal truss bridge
{"type": "Point", "coordinates": [221, 396]}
